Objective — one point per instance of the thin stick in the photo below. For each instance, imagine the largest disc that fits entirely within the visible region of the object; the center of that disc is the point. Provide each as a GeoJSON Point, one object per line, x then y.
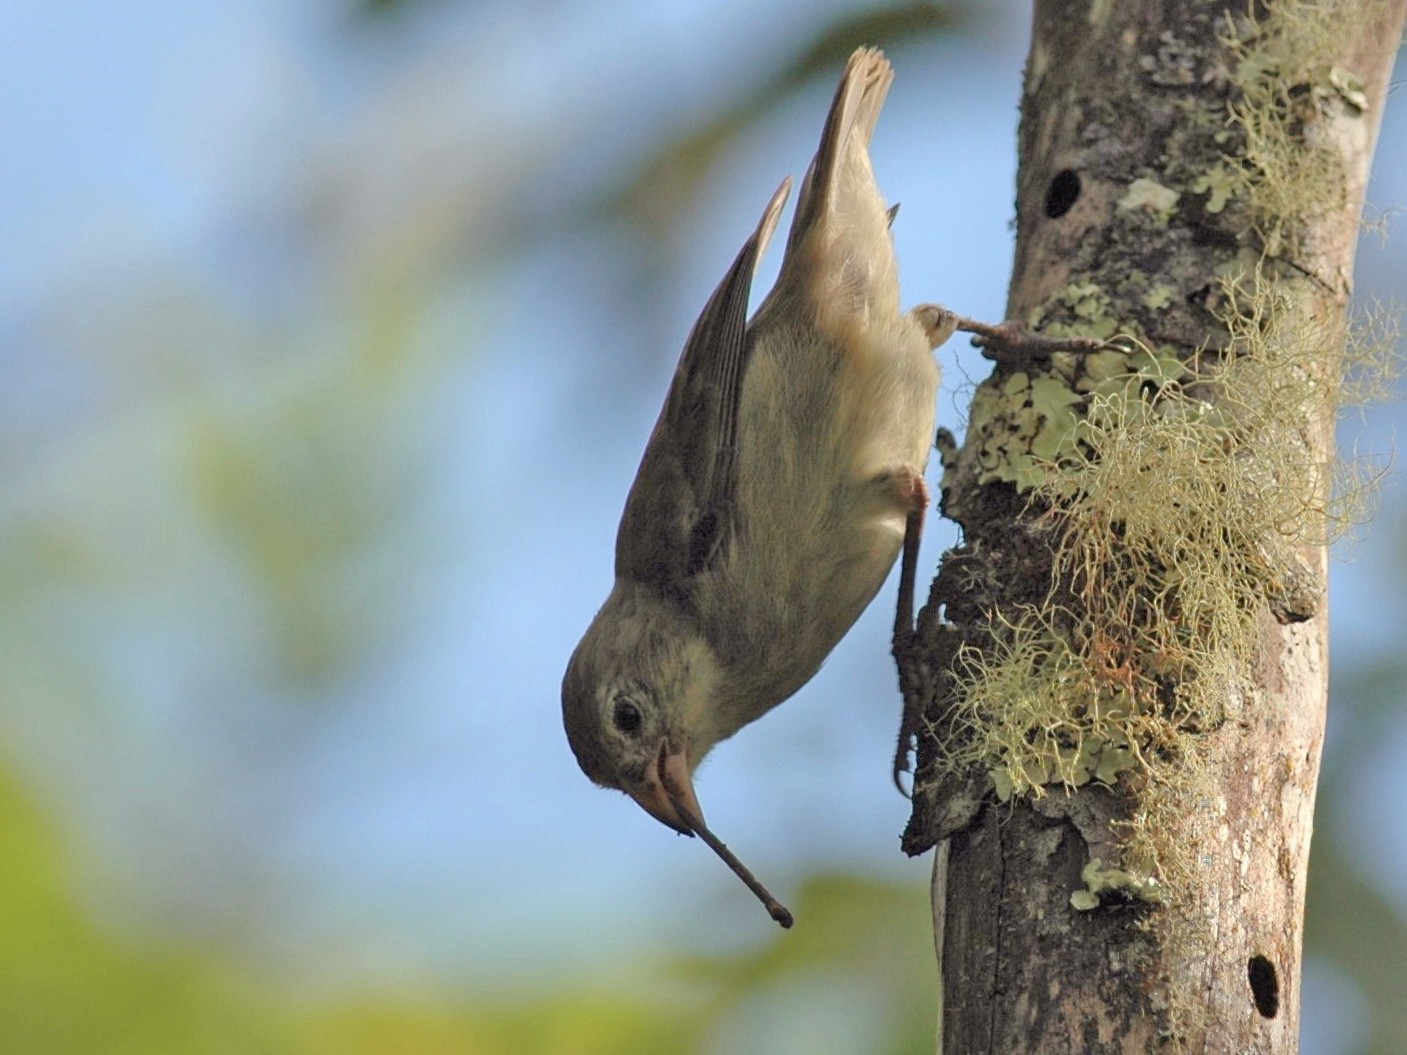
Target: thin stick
{"type": "Point", "coordinates": [775, 908]}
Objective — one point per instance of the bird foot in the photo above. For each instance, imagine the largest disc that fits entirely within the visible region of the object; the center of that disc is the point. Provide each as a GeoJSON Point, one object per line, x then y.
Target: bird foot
{"type": "Point", "coordinates": [938, 322]}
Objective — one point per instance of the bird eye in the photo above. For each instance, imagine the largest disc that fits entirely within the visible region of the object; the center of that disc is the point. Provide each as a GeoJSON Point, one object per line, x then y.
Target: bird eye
{"type": "Point", "coordinates": [626, 717]}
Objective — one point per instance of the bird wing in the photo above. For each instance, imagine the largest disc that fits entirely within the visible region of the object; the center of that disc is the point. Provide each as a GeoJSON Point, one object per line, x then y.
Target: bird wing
{"type": "Point", "coordinates": [682, 502]}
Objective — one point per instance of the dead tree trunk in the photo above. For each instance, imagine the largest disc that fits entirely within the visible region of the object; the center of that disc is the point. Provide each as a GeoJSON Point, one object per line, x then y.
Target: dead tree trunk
{"type": "Point", "coordinates": [1122, 669]}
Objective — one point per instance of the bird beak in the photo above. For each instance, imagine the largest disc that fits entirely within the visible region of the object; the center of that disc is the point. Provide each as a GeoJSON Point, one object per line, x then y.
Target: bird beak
{"type": "Point", "coordinates": [669, 783]}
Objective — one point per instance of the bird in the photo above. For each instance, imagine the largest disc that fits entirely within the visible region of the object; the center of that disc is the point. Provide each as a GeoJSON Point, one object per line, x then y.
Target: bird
{"type": "Point", "coordinates": [780, 482]}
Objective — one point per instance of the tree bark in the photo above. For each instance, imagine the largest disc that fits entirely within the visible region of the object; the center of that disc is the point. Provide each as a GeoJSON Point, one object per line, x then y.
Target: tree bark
{"type": "Point", "coordinates": [1125, 871]}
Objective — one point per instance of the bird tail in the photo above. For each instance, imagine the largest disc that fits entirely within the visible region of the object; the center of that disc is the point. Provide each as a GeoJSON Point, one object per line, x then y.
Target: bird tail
{"type": "Point", "coordinates": [841, 168]}
{"type": "Point", "coordinates": [840, 252]}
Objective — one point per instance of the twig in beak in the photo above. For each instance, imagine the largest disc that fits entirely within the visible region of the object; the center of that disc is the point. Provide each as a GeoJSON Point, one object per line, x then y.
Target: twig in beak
{"type": "Point", "coordinates": [775, 908]}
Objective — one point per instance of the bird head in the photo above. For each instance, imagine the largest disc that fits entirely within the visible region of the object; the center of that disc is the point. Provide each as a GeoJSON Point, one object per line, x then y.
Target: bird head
{"type": "Point", "coordinates": [637, 700]}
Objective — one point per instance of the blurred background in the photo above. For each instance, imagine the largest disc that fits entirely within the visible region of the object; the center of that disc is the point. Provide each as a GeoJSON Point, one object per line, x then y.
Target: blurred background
{"type": "Point", "coordinates": [330, 335]}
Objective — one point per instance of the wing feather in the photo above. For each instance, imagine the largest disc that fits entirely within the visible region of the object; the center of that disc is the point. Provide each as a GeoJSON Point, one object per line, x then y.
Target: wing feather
{"type": "Point", "coordinates": [681, 506]}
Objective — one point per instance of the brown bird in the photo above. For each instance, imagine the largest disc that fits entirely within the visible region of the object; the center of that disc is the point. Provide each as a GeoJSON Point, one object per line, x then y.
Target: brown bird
{"type": "Point", "coordinates": [776, 489]}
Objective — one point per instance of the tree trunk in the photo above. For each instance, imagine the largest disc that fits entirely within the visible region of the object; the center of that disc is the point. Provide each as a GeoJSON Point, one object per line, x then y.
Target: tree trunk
{"type": "Point", "coordinates": [1122, 670]}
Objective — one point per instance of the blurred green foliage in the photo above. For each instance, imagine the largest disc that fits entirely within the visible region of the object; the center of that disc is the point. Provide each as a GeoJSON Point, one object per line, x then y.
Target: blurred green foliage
{"type": "Point", "coordinates": [68, 986]}
{"type": "Point", "coordinates": [308, 483]}
{"type": "Point", "coordinates": [859, 949]}
{"type": "Point", "coordinates": [1348, 921]}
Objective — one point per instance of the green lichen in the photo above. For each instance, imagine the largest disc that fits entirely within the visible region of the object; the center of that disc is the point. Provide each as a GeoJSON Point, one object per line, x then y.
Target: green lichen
{"type": "Point", "coordinates": [1219, 183]}
{"type": "Point", "coordinates": [1092, 307]}
{"type": "Point", "coordinates": [1099, 881]}
{"type": "Point", "coordinates": [1176, 499]}
{"type": "Point", "coordinates": [1037, 425]}
{"type": "Point", "coordinates": [1151, 197]}
{"type": "Point", "coordinates": [1098, 367]}
{"type": "Point", "coordinates": [1158, 297]}
{"type": "Point", "coordinates": [1021, 427]}
{"type": "Point", "coordinates": [1018, 703]}
{"type": "Point", "coordinates": [1028, 427]}
{"type": "Point", "coordinates": [1087, 302]}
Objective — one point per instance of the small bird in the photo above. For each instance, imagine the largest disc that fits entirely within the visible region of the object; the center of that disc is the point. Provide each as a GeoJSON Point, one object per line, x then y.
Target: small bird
{"type": "Point", "coordinates": [782, 477]}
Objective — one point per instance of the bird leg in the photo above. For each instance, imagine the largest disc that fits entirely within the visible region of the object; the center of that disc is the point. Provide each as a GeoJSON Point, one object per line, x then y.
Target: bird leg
{"type": "Point", "coordinates": [1008, 342]}
{"type": "Point", "coordinates": [1011, 342]}
{"type": "Point", "coordinates": [913, 491]}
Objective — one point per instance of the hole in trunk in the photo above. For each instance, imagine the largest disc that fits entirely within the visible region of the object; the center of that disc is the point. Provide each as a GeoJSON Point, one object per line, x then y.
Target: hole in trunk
{"type": "Point", "coordinates": [1265, 985]}
{"type": "Point", "coordinates": [1063, 192]}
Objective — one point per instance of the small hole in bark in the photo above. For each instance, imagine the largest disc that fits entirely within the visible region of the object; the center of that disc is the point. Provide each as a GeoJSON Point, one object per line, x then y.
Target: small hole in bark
{"type": "Point", "coordinates": [1064, 191]}
{"type": "Point", "coordinates": [1265, 985]}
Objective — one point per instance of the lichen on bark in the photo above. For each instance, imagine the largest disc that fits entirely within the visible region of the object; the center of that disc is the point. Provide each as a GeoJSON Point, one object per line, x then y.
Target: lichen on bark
{"type": "Point", "coordinates": [1141, 525]}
